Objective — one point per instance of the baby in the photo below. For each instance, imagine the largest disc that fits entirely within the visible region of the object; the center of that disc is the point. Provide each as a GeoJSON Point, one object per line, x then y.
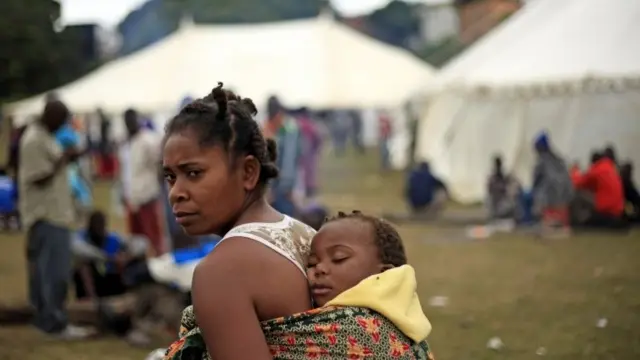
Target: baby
{"type": "Point", "coordinates": [348, 249]}
{"type": "Point", "coordinates": [358, 262]}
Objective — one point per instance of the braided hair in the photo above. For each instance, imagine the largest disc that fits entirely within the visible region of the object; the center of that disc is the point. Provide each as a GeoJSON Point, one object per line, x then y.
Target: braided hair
{"type": "Point", "coordinates": [225, 119]}
{"type": "Point", "coordinates": [386, 237]}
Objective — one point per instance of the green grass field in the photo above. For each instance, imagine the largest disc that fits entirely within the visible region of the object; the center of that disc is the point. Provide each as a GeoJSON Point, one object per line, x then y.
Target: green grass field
{"type": "Point", "coordinates": [529, 293]}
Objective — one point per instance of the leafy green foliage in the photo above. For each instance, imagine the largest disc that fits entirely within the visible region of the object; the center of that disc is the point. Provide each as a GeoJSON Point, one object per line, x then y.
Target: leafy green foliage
{"type": "Point", "coordinates": [34, 57]}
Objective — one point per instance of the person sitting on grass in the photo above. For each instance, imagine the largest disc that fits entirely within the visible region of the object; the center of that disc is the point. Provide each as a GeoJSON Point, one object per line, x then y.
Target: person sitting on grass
{"type": "Point", "coordinates": [604, 182]}
{"type": "Point", "coordinates": [631, 194]}
{"type": "Point", "coordinates": [365, 295]}
{"type": "Point", "coordinates": [502, 190]}
{"type": "Point", "coordinates": [425, 193]}
{"type": "Point", "coordinates": [113, 266]}
{"type": "Point", "coordinates": [96, 279]}
{"type": "Point", "coordinates": [552, 189]}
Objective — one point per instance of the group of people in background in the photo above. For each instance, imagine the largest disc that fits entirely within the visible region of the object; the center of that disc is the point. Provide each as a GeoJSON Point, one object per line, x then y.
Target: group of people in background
{"type": "Point", "coordinates": [602, 196]}
{"type": "Point", "coordinates": [50, 194]}
{"type": "Point", "coordinates": [46, 190]}
{"type": "Point", "coordinates": [561, 197]}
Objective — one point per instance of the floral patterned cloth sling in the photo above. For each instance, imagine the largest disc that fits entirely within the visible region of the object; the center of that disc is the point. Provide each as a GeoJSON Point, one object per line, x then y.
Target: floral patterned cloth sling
{"type": "Point", "coordinates": [324, 333]}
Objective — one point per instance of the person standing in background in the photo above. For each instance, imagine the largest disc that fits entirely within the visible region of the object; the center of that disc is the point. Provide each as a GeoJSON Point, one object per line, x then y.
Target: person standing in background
{"type": "Point", "coordinates": [106, 159]}
{"type": "Point", "coordinates": [413, 122]}
{"type": "Point", "coordinates": [340, 127]}
{"type": "Point", "coordinates": [13, 163]}
{"type": "Point", "coordinates": [140, 180]}
{"type": "Point", "coordinates": [385, 133]}
{"type": "Point", "coordinates": [311, 150]}
{"type": "Point", "coordinates": [14, 150]}
{"type": "Point", "coordinates": [357, 127]}
{"type": "Point", "coordinates": [284, 129]}
{"type": "Point", "coordinates": [46, 206]}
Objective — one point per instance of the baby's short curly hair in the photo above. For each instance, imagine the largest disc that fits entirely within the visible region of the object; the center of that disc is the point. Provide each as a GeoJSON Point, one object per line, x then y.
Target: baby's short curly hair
{"type": "Point", "coordinates": [386, 237]}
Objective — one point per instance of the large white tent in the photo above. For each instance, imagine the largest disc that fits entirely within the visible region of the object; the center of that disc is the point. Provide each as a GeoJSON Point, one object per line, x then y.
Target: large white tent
{"type": "Point", "coordinates": [568, 67]}
{"type": "Point", "coordinates": [316, 62]}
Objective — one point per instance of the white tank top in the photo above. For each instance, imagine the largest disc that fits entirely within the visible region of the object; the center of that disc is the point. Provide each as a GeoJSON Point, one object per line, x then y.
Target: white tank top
{"type": "Point", "coordinates": [288, 237]}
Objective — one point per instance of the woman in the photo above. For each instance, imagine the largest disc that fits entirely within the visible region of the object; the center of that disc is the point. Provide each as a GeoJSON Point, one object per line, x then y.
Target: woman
{"type": "Point", "coordinates": [217, 164]}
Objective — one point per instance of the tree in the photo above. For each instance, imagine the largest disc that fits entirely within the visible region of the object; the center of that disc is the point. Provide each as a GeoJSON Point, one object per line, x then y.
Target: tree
{"type": "Point", "coordinates": [33, 56]}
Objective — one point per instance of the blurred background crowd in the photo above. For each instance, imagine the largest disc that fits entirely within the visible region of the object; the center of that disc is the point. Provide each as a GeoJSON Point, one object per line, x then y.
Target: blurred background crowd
{"type": "Point", "coordinates": [500, 135]}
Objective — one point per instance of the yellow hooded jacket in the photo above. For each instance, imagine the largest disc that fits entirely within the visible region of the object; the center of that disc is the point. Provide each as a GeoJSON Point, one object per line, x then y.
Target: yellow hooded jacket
{"type": "Point", "coordinates": [393, 295]}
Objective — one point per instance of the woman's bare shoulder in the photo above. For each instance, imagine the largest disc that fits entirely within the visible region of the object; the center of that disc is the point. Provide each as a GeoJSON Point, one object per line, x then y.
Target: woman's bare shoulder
{"type": "Point", "coordinates": [225, 291]}
{"type": "Point", "coordinates": [275, 285]}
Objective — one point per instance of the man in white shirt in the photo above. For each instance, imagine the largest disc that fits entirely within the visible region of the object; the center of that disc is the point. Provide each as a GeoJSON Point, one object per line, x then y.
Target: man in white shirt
{"type": "Point", "coordinates": [46, 206]}
{"type": "Point", "coordinates": [140, 158]}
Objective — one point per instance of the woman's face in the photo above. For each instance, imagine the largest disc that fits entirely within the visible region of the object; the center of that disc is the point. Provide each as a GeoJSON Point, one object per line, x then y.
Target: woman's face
{"type": "Point", "coordinates": [205, 192]}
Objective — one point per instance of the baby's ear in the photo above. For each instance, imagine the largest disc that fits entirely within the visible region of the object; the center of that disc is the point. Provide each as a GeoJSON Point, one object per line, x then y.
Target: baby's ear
{"type": "Point", "coordinates": [385, 267]}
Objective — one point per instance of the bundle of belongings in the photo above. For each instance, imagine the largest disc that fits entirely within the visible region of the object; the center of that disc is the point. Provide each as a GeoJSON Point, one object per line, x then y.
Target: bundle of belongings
{"type": "Point", "coordinates": [381, 318]}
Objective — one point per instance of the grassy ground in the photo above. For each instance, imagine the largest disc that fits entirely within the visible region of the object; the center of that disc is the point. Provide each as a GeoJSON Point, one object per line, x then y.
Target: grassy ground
{"type": "Point", "coordinates": [531, 294]}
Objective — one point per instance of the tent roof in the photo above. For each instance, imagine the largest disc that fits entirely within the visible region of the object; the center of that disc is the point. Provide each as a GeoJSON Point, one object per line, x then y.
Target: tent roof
{"type": "Point", "coordinates": [553, 41]}
{"type": "Point", "coordinates": [570, 68]}
{"type": "Point", "coordinates": [316, 62]}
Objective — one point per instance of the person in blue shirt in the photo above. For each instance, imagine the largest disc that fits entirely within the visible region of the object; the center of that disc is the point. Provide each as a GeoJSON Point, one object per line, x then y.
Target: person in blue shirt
{"type": "Point", "coordinates": [97, 279]}
{"type": "Point", "coordinates": [69, 138]}
{"type": "Point", "coordinates": [424, 192]}
{"type": "Point", "coordinates": [8, 201]}
{"type": "Point", "coordinates": [147, 123]}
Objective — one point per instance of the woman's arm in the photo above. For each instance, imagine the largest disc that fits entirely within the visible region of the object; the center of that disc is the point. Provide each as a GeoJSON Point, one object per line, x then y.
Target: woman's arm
{"type": "Point", "coordinates": [224, 285]}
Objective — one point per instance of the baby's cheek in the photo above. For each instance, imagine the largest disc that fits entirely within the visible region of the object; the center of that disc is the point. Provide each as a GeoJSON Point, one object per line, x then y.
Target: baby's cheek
{"type": "Point", "coordinates": [342, 285]}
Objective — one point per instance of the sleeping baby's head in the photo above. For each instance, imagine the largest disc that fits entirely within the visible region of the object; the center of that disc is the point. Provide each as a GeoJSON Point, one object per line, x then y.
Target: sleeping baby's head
{"type": "Point", "coordinates": [348, 249]}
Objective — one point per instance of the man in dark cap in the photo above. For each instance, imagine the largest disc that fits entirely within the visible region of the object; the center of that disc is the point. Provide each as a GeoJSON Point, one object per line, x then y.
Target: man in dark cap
{"type": "Point", "coordinates": [47, 211]}
{"type": "Point", "coordinates": [552, 189]}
